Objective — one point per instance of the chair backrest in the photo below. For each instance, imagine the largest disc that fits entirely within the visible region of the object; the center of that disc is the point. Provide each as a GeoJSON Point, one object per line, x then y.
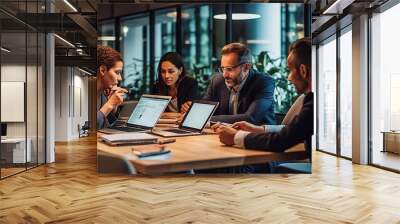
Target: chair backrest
{"type": "Point", "coordinates": [86, 125]}
{"type": "Point", "coordinates": [294, 110]}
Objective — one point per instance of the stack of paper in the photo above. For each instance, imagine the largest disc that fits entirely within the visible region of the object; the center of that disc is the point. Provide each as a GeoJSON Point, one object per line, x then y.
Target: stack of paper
{"type": "Point", "coordinates": [129, 138]}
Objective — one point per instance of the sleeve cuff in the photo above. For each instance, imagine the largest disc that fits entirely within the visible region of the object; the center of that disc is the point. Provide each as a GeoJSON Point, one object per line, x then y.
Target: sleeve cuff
{"type": "Point", "coordinates": [273, 128]}
{"type": "Point", "coordinates": [239, 138]}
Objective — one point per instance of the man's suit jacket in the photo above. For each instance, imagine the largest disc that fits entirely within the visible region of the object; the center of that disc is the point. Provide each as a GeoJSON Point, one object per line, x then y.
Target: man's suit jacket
{"type": "Point", "coordinates": [299, 130]}
{"type": "Point", "coordinates": [255, 101]}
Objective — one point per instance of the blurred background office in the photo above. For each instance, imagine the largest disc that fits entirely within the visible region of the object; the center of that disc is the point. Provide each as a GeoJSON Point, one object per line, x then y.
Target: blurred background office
{"type": "Point", "coordinates": [47, 70]}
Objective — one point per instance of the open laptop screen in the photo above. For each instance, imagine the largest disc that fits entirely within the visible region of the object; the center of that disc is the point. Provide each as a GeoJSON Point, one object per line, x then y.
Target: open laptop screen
{"type": "Point", "coordinates": [148, 111]}
{"type": "Point", "coordinates": [198, 115]}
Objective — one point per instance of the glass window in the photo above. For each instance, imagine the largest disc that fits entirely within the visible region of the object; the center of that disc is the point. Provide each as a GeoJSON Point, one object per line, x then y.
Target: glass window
{"type": "Point", "coordinates": [197, 43]}
{"type": "Point", "coordinates": [219, 34]}
{"type": "Point", "coordinates": [107, 33]}
{"type": "Point", "coordinates": [346, 94]}
{"type": "Point", "coordinates": [385, 84]}
{"type": "Point", "coordinates": [327, 96]}
{"type": "Point", "coordinates": [135, 52]}
{"type": "Point", "coordinates": [164, 34]}
{"type": "Point", "coordinates": [13, 84]}
{"type": "Point", "coordinates": [268, 30]}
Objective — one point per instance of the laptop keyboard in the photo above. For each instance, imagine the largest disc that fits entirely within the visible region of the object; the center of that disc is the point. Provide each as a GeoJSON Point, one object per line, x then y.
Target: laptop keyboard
{"type": "Point", "coordinates": [177, 131]}
{"type": "Point", "coordinates": [128, 129]}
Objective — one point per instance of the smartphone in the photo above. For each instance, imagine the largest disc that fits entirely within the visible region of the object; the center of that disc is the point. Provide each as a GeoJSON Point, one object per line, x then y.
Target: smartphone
{"type": "Point", "coordinates": [145, 154]}
{"type": "Point", "coordinates": [149, 150]}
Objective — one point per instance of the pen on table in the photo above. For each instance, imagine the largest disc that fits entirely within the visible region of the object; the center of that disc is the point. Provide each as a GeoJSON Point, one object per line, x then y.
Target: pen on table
{"type": "Point", "coordinates": [225, 124]}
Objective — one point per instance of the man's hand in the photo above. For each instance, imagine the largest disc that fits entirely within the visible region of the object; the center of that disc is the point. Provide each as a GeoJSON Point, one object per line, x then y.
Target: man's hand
{"type": "Point", "coordinates": [226, 135]}
{"type": "Point", "coordinates": [185, 107]}
{"type": "Point", "coordinates": [246, 126]}
{"type": "Point", "coordinates": [218, 125]}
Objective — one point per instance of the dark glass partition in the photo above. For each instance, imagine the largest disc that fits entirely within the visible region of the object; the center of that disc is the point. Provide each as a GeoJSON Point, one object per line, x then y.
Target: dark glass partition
{"type": "Point", "coordinates": [22, 88]}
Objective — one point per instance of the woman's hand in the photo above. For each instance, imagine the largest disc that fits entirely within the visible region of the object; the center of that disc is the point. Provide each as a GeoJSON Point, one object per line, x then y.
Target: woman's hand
{"type": "Point", "coordinates": [114, 99]}
{"type": "Point", "coordinates": [185, 107]}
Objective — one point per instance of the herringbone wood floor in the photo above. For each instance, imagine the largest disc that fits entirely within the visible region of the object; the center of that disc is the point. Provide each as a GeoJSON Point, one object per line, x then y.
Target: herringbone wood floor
{"type": "Point", "coordinates": [70, 191]}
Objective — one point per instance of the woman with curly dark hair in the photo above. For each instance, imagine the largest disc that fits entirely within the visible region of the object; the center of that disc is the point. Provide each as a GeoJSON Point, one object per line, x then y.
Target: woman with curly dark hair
{"type": "Point", "coordinates": [173, 81]}
{"type": "Point", "coordinates": [109, 95]}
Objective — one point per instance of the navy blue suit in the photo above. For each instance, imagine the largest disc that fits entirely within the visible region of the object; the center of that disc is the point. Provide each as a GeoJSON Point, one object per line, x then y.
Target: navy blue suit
{"type": "Point", "coordinates": [255, 102]}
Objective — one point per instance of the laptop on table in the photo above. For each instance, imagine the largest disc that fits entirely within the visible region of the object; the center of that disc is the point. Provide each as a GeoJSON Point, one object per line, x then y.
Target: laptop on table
{"type": "Point", "coordinates": [194, 121]}
{"type": "Point", "coordinates": [144, 117]}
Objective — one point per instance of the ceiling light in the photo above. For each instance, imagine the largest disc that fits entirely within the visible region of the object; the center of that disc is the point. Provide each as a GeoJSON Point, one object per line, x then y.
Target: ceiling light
{"type": "Point", "coordinates": [106, 38]}
{"type": "Point", "coordinates": [5, 50]}
{"type": "Point", "coordinates": [65, 41]}
{"type": "Point", "coordinates": [125, 30]}
{"type": "Point", "coordinates": [84, 71]}
{"type": "Point", "coordinates": [238, 16]}
{"type": "Point", "coordinates": [184, 15]}
{"type": "Point", "coordinates": [70, 5]}
{"type": "Point", "coordinates": [258, 42]}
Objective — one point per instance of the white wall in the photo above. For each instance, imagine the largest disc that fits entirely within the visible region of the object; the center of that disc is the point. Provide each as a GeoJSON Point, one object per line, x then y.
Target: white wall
{"type": "Point", "coordinates": [71, 102]}
{"type": "Point", "coordinates": [17, 72]}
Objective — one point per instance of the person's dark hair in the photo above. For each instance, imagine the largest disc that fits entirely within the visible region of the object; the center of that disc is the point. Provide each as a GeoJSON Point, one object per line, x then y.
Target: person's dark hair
{"type": "Point", "coordinates": [176, 60]}
{"type": "Point", "coordinates": [244, 54]}
{"type": "Point", "coordinates": [301, 49]}
{"type": "Point", "coordinates": [107, 56]}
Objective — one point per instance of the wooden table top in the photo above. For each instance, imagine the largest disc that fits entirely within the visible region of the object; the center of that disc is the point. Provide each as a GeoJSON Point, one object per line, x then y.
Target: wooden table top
{"type": "Point", "coordinates": [200, 152]}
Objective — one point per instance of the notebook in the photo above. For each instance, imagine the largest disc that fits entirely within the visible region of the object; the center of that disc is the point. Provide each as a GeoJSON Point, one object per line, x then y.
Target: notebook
{"type": "Point", "coordinates": [135, 138]}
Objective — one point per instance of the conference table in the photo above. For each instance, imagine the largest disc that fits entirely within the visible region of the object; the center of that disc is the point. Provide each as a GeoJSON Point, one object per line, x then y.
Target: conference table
{"type": "Point", "coordinates": [196, 153]}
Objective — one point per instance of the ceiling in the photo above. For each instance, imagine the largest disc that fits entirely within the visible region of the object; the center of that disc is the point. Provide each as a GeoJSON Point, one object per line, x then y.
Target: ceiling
{"type": "Point", "coordinates": [76, 20]}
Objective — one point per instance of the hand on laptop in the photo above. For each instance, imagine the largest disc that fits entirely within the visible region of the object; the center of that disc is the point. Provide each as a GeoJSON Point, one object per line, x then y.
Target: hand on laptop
{"type": "Point", "coordinates": [185, 107]}
{"type": "Point", "coordinates": [246, 126]}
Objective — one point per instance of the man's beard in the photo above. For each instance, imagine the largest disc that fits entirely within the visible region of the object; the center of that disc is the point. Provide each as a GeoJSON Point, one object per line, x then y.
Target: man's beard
{"type": "Point", "coordinates": [235, 82]}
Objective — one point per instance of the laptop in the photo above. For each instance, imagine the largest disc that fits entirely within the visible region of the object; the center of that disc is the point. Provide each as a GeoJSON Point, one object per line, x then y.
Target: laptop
{"type": "Point", "coordinates": [194, 121]}
{"type": "Point", "coordinates": [144, 117]}
{"type": "Point", "coordinates": [125, 112]}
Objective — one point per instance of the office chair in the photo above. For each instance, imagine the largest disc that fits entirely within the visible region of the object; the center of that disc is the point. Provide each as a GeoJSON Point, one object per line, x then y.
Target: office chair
{"type": "Point", "coordinates": [305, 168]}
{"type": "Point", "coordinates": [84, 130]}
{"type": "Point", "coordinates": [109, 163]}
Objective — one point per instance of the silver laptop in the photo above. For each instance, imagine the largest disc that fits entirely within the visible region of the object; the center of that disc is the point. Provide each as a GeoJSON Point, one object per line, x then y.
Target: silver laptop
{"type": "Point", "coordinates": [194, 121]}
{"type": "Point", "coordinates": [144, 117]}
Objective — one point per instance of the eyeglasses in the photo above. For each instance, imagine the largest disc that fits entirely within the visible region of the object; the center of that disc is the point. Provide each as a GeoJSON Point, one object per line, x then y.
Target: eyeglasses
{"type": "Point", "coordinates": [229, 69]}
